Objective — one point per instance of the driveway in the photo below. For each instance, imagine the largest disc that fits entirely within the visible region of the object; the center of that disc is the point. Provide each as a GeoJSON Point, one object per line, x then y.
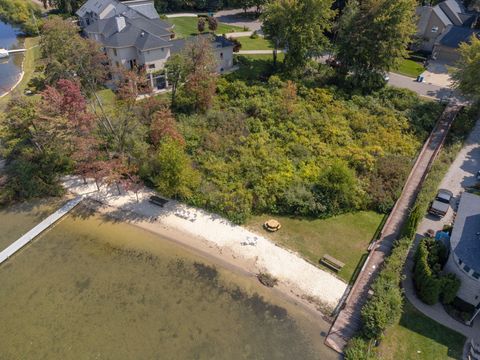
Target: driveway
{"type": "Point", "coordinates": [437, 74]}
{"type": "Point", "coordinates": [431, 91]}
{"type": "Point", "coordinates": [236, 17]}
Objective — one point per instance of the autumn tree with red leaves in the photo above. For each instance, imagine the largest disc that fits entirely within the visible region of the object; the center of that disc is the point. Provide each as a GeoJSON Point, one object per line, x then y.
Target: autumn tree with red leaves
{"type": "Point", "coordinates": [201, 66]}
{"type": "Point", "coordinates": [164, 125]}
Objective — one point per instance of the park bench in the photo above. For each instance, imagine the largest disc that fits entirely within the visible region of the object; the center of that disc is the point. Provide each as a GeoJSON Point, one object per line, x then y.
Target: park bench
{"type": "Point", "coordinates": [331, 262]}
{"type": "Point", "coordinates": [157, 200]}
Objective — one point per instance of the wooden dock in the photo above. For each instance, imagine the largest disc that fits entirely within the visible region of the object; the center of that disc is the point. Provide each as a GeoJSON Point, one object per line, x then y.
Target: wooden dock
{"type": "Point", "coordinates": [38, 229]}
{"type": "Point", "coordinates": [348, 321]}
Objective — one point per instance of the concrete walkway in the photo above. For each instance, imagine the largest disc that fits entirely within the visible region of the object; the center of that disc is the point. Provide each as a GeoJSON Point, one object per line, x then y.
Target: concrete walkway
{"type": "Point", "coordinates": [257, 52]}
{"type": "Point", "coordinates": [238, 34]}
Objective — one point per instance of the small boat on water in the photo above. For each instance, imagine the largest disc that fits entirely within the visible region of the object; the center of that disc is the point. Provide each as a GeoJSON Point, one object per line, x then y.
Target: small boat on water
{"type": "Point", "coordinates": [3, 53]}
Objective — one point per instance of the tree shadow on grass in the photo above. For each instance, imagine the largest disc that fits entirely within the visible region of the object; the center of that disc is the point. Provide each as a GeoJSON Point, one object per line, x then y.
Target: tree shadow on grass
{"type": "Point", "coordinates": [416, 322]}
{"type": "Point", "coordinates": [253, 68]}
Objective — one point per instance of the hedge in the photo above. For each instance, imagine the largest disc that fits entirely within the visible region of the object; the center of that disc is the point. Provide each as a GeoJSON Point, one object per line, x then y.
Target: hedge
{"type": "Point", "coordinates": [431, 286]}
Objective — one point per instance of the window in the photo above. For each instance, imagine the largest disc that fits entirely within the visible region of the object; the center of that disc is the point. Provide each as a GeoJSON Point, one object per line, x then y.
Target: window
{"type": "Point", "coordinates": [221, 55]}
{"type": "Point", "coordinates": [151, 66]}
{"type": "Point", "coordinates": [476, 275]}
{"type": "Point", "coordinates": [115, 52]}
{"type": "Point", "coordinates": [435, 29]}
{"type": "Point", "coordinates": [466, 268]}
{"type": "Point", "coordinates": [460, 262]}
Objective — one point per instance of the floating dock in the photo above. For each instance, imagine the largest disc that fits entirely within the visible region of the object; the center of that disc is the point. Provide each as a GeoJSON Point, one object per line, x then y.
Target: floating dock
{"type": "Point", "coordinates": [38, 229]}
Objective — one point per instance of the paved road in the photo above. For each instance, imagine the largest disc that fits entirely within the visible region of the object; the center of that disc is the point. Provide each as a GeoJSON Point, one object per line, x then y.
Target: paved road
{"type": "Point", "coordinates": [348, 321]}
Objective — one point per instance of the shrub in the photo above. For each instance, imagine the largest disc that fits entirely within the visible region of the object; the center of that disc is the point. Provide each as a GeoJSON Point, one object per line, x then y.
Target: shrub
{"type": "Point", "coordinates": [430, 285]}
{"type": "Point", "coordinates": [358, 349]}
{"type": "Point", "coordinates": [450, 286]}
{"type": "Point", "coordinates": [254, 35]}
{"type": "Point", "coordinates": [385, 306]}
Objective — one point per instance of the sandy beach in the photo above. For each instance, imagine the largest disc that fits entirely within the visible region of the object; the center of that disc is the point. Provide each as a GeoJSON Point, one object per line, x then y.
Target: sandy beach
{"type": "Point", "coordinates": [214, 237]}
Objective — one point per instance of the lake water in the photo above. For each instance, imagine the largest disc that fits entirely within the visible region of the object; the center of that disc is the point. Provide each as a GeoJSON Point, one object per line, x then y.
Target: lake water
{"type": "Point", "coordinates": [93, 289]}
{"type": "Point", "coordinates": [11, 67]}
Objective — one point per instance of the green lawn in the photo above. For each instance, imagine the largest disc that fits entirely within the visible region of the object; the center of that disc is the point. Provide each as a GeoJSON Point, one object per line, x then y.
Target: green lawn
{"type": "Point", "coordinates": [419, 337]}
{"type": "Point", "coordinates": [187, 26]}
{"type": "Point", "coordinates": [345, 237]}
{"type": "Point", "coordinates": [255, 44]}
{"type": "Point", "coordinates": [409, 68]}
{"type": "Point", "coordinates": [253, 68]}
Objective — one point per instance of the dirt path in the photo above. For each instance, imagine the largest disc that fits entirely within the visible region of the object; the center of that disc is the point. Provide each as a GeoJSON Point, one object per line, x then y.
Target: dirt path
{"type": "Point", "coordinates": [348, 321]}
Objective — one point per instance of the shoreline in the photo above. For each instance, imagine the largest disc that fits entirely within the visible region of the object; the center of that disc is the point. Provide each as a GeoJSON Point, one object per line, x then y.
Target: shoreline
{"type": "Point", "coordinates": [219, 238]}
{"type": "Point", "coordinates": [219, 256]}
{"type": "Point", "coordinates": [22, 71]}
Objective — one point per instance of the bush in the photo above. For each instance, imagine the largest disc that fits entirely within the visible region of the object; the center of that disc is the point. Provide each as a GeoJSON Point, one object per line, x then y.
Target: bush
{"type": "Point", "coordinates": [450, 286]}
{"type": "Point", "coordinates": [254, 35]}
{"type": "Point", "coordinates": [430, 285]}
{"type": "Point", "coordinates": [384, 308]}
{"type": "Point", "coordinates": [386, 181]}
{"type": "Point", "coordinates": [358, 349]}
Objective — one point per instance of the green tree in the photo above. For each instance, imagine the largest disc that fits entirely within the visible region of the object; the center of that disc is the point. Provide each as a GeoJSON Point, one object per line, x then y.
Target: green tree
{"type": "Point", "coordinates": [172, 171]}
{"type": "Point", "coordinates": [372, 36]}
{"type": "Point", "coordinates": [69, 56]}
{"type": "Point", "coordinates": [275, 26]}
{"type": "Point", "coordinates": [176, 73]}
{"type": "Point", "coordinates": [337, 189]}
{"type": "Point", "coordinates": [68, 6]}
{"type": "Point", "coordinates": [299, 26]}
{"type": "Point", "coordinates": [24, 13]}
{"type": "Point", "coordinates": [466, 74]}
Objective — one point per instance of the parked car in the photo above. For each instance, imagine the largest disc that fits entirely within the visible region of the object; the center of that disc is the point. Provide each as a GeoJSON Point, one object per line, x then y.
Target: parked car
{"type": "Point", "coordinates": [441, 204]}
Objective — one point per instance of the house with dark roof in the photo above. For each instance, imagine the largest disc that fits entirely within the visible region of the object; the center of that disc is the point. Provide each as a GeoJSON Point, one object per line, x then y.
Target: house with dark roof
{"type": "Point", "coordinates": [443, 27]}
{"type": "Point", "coordinates": [133, 36]}
{"type": "Point", "coordinates": [464, 258]}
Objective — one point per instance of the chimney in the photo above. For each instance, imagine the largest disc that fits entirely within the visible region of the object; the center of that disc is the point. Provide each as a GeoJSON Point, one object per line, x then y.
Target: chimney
{"type": "Point", "coordinates": [120, 22]}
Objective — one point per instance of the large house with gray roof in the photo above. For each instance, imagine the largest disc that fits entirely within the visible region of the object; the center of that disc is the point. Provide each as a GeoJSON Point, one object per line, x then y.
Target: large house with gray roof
{"type": "Point", "coordinates": [464, 258]}
{"type": "Point", "coordinates": [443, 27]}
{"type": "Point", "coordinates": [133, 36]}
